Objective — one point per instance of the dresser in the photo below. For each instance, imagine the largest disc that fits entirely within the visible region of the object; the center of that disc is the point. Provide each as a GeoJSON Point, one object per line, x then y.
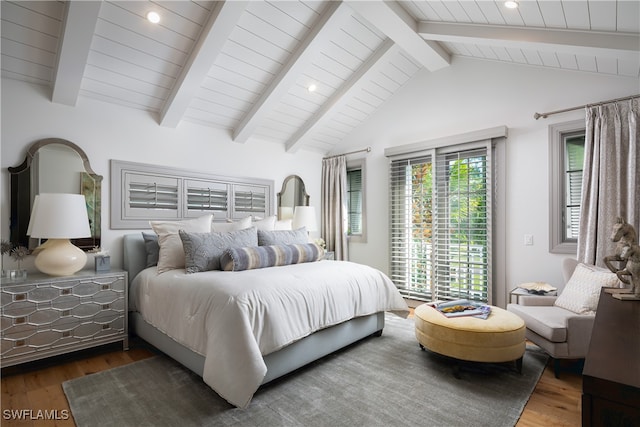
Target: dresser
{"type": "Point", "coordinates": [611, 374]}
{"type": "Point", "coordinates": [44, 316]}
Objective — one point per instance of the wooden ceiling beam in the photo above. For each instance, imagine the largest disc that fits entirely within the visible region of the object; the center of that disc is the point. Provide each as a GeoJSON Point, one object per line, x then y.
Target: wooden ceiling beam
{"type": "Point", "coordinates": [214, 34]}
{"type": "Point", "coordinates": [73, 51]}
{"type": "Point", "coordinates": [393, 21]}
{"type": "Point", "coordinates": [619, 45]}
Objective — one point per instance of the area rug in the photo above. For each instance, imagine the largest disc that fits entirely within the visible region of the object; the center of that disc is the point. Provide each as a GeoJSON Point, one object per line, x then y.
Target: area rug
{"type": "Point", "coordinates": [379, 381]}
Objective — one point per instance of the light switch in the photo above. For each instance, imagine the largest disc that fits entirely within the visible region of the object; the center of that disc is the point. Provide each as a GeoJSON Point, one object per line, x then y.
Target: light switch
{"type": "Point", "coordinates": [528, 239]}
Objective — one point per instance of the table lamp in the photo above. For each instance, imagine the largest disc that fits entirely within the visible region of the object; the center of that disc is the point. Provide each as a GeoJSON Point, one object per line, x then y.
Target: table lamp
{"type": "Point", "coordinates": [304, 216]}
{"type": "Point", "coordinates": [59, 217]}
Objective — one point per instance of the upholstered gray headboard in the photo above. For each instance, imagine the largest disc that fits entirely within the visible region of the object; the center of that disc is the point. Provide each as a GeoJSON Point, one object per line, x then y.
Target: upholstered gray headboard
{"type": "Point", "coordinates": [135, 254]}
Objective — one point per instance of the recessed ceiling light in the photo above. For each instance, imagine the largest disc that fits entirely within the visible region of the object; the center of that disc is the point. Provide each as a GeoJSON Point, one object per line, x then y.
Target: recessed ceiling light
{"type": "Point", "coordinates": [511, 4]}
{"type": "Point", "coordinates": [153, 17]}
{"type": "Point", "coordinates": [312, 87]}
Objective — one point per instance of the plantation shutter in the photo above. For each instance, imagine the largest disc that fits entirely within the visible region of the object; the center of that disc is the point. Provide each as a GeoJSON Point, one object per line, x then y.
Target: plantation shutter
{"type": "Point", "coordinates": [440, 223]}
{"type": "Point", "coordinates": [354, 201]}
{"type": "Point", "coordinates": [151, 193]}
{"type": "Point", "coordinates": [206, 197]}
{"type": "Point", "coordinates": [574, 159]}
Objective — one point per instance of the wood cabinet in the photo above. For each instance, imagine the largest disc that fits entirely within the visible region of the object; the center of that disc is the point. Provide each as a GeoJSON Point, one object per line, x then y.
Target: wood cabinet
{"type": "Point", "coordinates": [44, 316]}
{"type": "Point", "coordinates": [611, 375]}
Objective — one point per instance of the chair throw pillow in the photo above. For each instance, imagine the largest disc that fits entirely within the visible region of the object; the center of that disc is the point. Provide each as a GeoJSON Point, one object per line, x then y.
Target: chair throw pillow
{"type": "Point", "coordinates": [582, 291]}
{"type": "Point", "coordinates": [248, 258]}
{"type": "Point", "coordinates": [171, 254]}
{"type": "Point", "coordinates": [203, 250]}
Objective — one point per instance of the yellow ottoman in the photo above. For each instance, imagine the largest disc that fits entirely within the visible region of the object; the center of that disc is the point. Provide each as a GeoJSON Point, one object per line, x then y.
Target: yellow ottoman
{"type": "Point", "coordinates": [499, 338]}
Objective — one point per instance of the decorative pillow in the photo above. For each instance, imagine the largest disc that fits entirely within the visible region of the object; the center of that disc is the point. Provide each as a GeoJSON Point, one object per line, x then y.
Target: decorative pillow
{"type": "Point", "coordinates": [248, 258]}
{"type": "Point", "coordinates": [152, 247]}
{"type": "Point", "coordinates": [283, 237]}
{"type": "Point", "coordinates": [266, 224]}
{"type": "Point", "coordinates": [171, 254]}
{"type": "Point", "coordinates": [203, 250]}
{"type": "Point", "coordinates": [231, 226]}
{"type": "Point", "coordinates": [582, 291]}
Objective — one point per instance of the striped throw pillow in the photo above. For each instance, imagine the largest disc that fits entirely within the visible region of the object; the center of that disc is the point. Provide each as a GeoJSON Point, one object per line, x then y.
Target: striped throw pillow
{"type": "Point", "coordinates": [248, 258]}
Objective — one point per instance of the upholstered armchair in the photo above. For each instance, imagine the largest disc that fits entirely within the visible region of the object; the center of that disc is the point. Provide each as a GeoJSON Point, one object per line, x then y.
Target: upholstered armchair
{"type": "Point", "coordinates": [562, 325]}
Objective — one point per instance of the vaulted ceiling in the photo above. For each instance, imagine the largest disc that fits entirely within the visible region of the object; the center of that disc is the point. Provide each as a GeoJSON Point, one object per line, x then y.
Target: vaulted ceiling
{"type": "Point", "coordinates": [246, 66]}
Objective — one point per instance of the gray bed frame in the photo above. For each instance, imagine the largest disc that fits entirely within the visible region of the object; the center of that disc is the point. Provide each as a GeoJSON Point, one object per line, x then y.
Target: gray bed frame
{"type": "Point", "coordinates": [279, 363]}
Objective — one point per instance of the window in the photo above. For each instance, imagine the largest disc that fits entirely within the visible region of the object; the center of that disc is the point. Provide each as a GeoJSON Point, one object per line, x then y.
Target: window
{"type": "Point", "coordinates": [355, 201]}
{"type": "Point", "coordinates": [440, 243]}
{"type": "Point", "coordinates": [566, 164]}
{"type": "Point", "coordinates": [140, 193]}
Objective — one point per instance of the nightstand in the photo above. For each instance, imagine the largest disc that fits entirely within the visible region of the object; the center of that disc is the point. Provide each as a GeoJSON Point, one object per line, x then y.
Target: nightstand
{"type": "Point", "coordinates": [45, 316]}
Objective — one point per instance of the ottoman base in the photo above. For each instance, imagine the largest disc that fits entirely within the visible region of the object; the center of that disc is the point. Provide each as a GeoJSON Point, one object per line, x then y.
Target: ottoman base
{"type": "Point", "coordinates": [499, 338]}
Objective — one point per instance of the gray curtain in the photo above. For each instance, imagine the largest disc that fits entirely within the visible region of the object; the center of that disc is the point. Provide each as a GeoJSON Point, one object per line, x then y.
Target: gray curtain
{"type": "Point", "coordinates": [334, 206]}
{"type": "Point", "coordinates": [610, 181]}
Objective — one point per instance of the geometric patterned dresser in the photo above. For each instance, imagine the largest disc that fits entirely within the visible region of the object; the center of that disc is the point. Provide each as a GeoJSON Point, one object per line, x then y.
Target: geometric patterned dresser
{"type": "Point", "coordinates": [44, 316]}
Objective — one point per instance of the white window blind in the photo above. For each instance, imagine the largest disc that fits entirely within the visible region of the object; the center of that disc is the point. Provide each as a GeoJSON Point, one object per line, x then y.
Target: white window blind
{"type": "Point", "coordinates": [441, 223]}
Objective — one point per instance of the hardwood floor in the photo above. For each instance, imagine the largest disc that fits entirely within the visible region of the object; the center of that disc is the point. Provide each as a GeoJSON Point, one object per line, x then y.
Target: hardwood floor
{"type": "Point", "coordinates": [37, 386]}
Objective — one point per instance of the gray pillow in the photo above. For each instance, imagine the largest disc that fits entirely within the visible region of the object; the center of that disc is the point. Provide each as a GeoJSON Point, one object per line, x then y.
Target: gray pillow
{"type": "Point", "coordinates": [152, 247]}
{"type": "Point", "coordinates": [203, 250]}
{"type": "Point", "coordinates": [283, 237]}
{"type": "Point", "coordinates": [238, 259]}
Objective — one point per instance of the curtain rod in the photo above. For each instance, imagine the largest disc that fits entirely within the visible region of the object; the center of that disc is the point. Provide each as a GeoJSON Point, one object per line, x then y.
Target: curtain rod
{"type": "Point", "coordinates": [368, 149]}
{"type": "Point", "coordinates": [544, 115]}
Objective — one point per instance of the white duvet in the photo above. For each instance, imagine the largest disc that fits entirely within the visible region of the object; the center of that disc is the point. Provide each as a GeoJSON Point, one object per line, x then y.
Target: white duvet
{"type": "Point", "coordinates": [234, 318]}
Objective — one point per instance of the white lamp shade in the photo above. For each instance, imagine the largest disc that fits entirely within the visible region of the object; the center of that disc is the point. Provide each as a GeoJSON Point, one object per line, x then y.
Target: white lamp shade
{"type": "Point", "coordinates": [304, 216]}
{"type": "Point", "coordinates": [59, 216]}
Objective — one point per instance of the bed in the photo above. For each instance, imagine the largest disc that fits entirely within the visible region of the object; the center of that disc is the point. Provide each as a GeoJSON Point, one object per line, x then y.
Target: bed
{"type": "Point", "coordinates": [237, 354]}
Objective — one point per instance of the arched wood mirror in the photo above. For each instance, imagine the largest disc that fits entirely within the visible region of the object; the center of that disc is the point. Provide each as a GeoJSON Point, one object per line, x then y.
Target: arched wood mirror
{"type": "Point", "coordinates": [293, 194]}
{"type": "Point", "coordinates": [53, 165]}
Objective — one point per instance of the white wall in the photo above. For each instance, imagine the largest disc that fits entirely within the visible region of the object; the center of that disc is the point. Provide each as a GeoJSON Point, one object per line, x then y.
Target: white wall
{"type": "Point", "coordinates": [107, 132]}
{"type": "Point", "coordinates": [467, 96]}
{"type": "Point", "coordinates": [473, 95]}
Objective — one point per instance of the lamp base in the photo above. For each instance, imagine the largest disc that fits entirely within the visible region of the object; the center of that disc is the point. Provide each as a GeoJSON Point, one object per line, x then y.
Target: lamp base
{"type": "Point", "coordinates": [60, 258]}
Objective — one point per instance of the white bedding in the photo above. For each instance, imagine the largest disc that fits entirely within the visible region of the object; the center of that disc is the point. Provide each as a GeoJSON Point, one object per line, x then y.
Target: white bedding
{"type": "Point", "coordinates": [234, 318]}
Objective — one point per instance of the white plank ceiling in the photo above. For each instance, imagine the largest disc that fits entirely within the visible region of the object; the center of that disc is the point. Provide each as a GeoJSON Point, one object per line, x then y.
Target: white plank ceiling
{"type": "Point", "coordinates": [246, 66]}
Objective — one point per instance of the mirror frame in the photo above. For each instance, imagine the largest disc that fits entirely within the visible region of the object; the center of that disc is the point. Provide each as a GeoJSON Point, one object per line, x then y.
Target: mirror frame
{"type": "Point", "coordinates": [22, 199]}
{"type": "Point", "coordinates": [284, 187]}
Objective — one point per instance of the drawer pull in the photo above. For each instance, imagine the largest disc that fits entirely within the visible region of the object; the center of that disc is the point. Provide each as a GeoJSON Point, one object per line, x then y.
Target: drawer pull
{"type": "Point", "coordinates": [65, 292]}
{"type": "Point", "coordinates": [20, 297]}
{"type": "Point", "coordinates": [66, 313]}
{"type": "Point", "coordinates": [105, 326]}
{"type": "Point", "coordinates": [20, 343]}
{"type": "Point", "coordinates": [105, 287]}
{"type": "Point", "coordinates": [66, 334]}
{"type": "Point", "coordinates": [20, 320]}
{"type": "Point", "coordinates": [106, 306]}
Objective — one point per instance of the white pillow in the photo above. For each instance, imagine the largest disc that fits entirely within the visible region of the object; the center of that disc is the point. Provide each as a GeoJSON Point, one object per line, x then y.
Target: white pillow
{"type": "Point", "coordinates": [283, 224]}
{"type": "Point", "coordinates": [582, 291]}
{"type": "Point", "coordinates": [231, 226]}
{"type": "Point", "coordinates": [171, 254]}
{"type": "Point", "coordinates": [265, 224]}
